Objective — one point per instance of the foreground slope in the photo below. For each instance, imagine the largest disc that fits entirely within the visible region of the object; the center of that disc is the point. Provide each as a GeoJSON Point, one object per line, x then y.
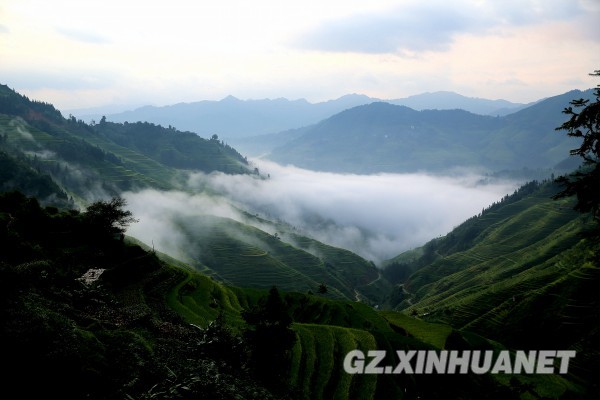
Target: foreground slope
{"type": "Point", "coordinates": [88, 316]}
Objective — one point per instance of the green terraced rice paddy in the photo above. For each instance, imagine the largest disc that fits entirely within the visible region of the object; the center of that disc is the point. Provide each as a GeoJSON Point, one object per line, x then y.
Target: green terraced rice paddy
{"type": "Point", "coordinates": [432, 333]}
{"type": "Point", "coordinates": [317, 362]}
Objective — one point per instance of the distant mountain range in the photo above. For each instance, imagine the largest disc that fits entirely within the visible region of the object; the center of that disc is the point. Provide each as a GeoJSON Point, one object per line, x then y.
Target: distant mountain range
{"type": "Point", "coordinates": [232, 118]}
{"type": "Point", "coordinates": [382, 137]}
{"type": "Point", "coordinates": [445, 100]}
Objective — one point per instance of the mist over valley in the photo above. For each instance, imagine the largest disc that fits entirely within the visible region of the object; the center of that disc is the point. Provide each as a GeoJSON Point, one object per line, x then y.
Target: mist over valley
{"type": "Point", "coordinates": [376, 216]}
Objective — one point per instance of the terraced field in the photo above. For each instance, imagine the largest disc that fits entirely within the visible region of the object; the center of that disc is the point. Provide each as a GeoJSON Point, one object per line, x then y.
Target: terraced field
{"type": "Point", "coordinates": [516, 256]}
{"type": "Point", "coordinates": [432, 333]}
{"type": "Point", "coordinates": [316, 366]}
{"type": "Point", "coordinates": [242, 255]}
{"type": "Point", "coordinates": [230, 252]}
{"type": "Point", "coordinates": [159, 175]}
{"type": "Point", "coordinates": [528, 280]}
{"type": "Point", "coordinates": [133, 170]}
{"type": "Point", "coordinates": [317, 362]}
{"type": "Point", "coordinates": [348, 268]}
{"type": "Point", "coordinates": [19, 132]}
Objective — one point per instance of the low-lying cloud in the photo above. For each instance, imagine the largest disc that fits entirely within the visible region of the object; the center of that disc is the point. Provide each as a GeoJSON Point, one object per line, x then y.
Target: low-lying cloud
{"type": "Point", "coordinates": [375, 216]}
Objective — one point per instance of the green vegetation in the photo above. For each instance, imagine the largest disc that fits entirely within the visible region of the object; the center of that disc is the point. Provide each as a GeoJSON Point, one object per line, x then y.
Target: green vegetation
{"type": "Point", "coordinates": [106, 319]}
{"type": "Point", "coordinates": [242, 255]}
{"type": "Point", "coordinates": [521, 273]}
{"type": "Point", "coordinates": [584, 123]}
{"type": "Point", "coordinates": [92, 160]}
{"type": "Point", "coordinates": [16, 173]}
{"type": "Point", "coordinates": [89, 318]}
{"type": "Point", "coordinates": [183, 150]}
{"type": "Point", "coordinates": [381, 137]}
{"type": "Point", "coordinates": [434, 334]}
{"type": "Point", "coordinates": [54, 158]}
{"type": "Point", "coordinates": [524, 272]}
{"type": "Point", "coordinates": [88, 313]}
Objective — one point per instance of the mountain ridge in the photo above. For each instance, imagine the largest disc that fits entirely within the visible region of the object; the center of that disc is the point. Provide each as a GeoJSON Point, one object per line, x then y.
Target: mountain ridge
{"type": "Point", "coordinates": [522, 271]}
{"type": "Point", "coordinates": [381, 137]}
{"type": "Point", "coordinates": [447, 100]}
{"type": "Point", "coordinates": [203, 117]}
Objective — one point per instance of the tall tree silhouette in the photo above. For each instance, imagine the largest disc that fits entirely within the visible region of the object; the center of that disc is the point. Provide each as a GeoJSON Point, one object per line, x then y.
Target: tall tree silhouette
{"type": "Point", "coordinates": [106, 218]}
{"type": "Point", "coordinates": [270, 340]}
{"type": "Point", "coordinates": [584, 123]}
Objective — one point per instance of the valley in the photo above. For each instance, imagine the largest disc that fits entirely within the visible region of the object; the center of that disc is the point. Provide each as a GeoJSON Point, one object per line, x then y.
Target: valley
{"type": "Point", "coordinates": [215, 258]}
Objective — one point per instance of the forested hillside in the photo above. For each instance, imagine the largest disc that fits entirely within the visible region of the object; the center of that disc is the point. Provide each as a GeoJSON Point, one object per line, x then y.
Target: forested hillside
{"type": "Point", "coordinates": [67, 163]}
{"type": "Point", "coordinates": [92, 160]}
{"type": "Point", "coordinates": [381, 137]}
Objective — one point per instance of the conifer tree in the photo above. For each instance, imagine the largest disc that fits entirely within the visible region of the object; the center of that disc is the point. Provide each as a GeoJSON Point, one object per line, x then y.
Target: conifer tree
{"type": "Point", "coordinates": [584, 123]}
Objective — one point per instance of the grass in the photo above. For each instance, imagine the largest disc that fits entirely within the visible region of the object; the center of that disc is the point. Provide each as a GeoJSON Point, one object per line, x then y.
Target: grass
{"type": "Point", "coordinates": [317, 362]}
{"type": "Point", "coordinates": [432, 333]}
{"type": "Point", "coordinates": [513, 251]}
{"type": "Point", "coordinates": [241, 255]}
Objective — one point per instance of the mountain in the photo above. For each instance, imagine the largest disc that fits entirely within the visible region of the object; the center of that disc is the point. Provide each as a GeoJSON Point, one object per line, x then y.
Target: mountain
{"type": "Point", "coordinates": [16, 172]}
{"type": "Point", "coordinates": [380, 137]}
{"type": "Point", "coordinates": [239, 254]}
{"type": "Point", "coordinates": [522, 272]}
{"type": "Point", "coordinates": [93, 317]}
{"type": "Point", "coordinates": [66, 162]}
{"type": "Point", "coordinates": [444, 100]}
{"type": "Point", "coordinates": [91, 160]}
{"type": "Point", "coordinates": [232, 118]}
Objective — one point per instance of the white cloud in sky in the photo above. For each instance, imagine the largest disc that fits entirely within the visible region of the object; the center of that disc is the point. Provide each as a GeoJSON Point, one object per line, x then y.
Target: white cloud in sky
{"type": "Point", "coordinates": [163, 53]}
{"type": "Point", "coordinates": [432, 25]}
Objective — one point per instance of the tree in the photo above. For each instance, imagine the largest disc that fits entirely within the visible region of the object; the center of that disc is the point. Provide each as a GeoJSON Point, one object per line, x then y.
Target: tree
{"type": "Point", "coordinates": [219, 342]}
{"type": "Point", "coordinates": [322, 288]}
{"type": "Point", "coordinates": [584, 122]}
{"type": "Point", "coordinates": [270, 340]}
{"type": "Point", "coordinates": [108, 217]}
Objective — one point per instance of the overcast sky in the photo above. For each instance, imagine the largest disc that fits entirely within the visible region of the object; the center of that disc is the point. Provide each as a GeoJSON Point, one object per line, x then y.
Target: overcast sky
{"type": "Point", "coordinates": [78, 54]}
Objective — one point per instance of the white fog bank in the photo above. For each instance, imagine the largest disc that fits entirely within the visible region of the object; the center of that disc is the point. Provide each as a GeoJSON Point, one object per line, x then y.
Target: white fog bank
{"type": "Point", "coordinates": [375, 216]}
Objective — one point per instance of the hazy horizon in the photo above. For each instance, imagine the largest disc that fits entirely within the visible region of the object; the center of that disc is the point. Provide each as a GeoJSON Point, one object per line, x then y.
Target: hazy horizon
{"type": "Point", "coordinates": [61, 52]}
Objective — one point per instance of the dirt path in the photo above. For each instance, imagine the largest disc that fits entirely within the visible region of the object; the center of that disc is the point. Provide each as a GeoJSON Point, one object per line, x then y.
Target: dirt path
{"type": "Point", "coordinates": [374, 280]}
